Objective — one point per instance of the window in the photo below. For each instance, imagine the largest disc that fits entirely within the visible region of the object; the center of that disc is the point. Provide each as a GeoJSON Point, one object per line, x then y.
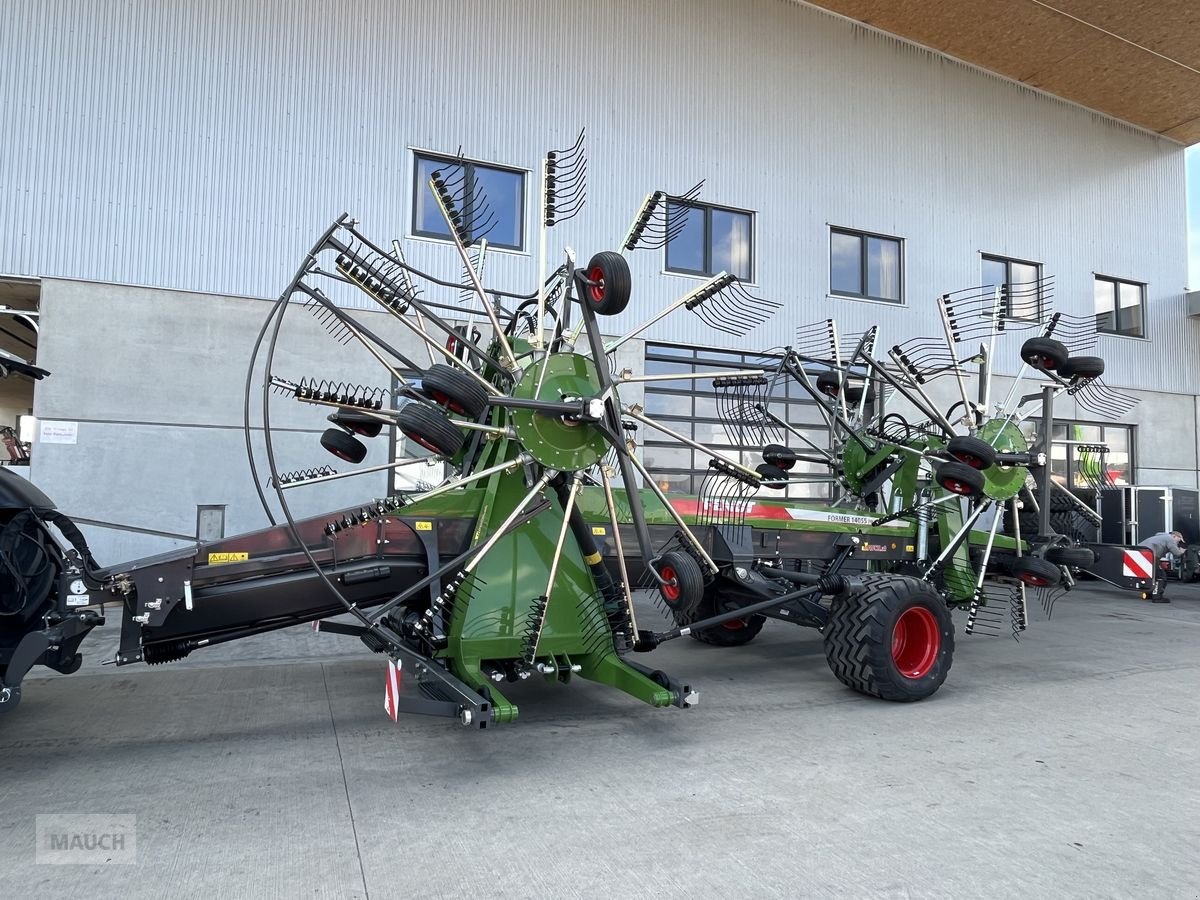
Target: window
{"type": "Point", "coordinates": [1119, 307]}
{"type": "Point", "coordinates": [1071, 464]}
{"type": "Point", "coordinates": [690, 408]}
{"type": "Point", "coordinates": [498, 213]}
{"type": "Point", "coordinates": [864, 265]}
{"type": "Point", "coordinates": [707, 240]}
{"type": "Point", "coordinates": [1023, 281]}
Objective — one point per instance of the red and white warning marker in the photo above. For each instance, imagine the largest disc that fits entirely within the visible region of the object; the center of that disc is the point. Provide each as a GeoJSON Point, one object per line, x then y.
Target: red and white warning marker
{"type": "Point", "coordinates": [1138, 564]}
{"type": "Point", "coordinates": [391, 691]}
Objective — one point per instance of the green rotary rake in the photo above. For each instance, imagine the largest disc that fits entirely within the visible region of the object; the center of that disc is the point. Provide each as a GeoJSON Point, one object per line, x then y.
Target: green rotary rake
{"type": "Point", "coordinates": [522, 422]}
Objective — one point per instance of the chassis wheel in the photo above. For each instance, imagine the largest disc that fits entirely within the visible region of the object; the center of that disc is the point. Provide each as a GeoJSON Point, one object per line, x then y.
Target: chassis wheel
{"type": "Point", "coordinates": [343, 446]}
{"type": "Point", "coordinates": [895, 640]}
{"type": "Point", "coordinates": [959, 478]}
{"type": "Point", "coordinates": [356, 422]}
{"type": "Point", "coordinates": [773, 477]}
{"type": "Point", "coordinates": [683, 591]}
{"type": "Point", "coordinates": [1082, 367]}
{"type": "Point", "coordinates": [431, 429]}
{"type": "Point", "coordinates": [1044, 353]}
{"type": "Point", "coordinates": [611, 283]}
{"type": "Point", "coordinates": [455, 390]}
{"type": "Point", "coordinates": [733, 633]}
{"type": "Point", "coordinates": [1036, 572]}
{"type": "Point", "coordinates": [829, 383]}
{"type": "Point", "coordinates": [971, 451]}
{"type": "Point", "coordinates": [779, 456]}
{"type": "Point", "coordinates": [1074, 557]}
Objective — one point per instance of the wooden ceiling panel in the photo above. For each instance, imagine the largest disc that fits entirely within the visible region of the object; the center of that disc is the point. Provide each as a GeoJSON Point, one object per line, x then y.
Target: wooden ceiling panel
{"type": "Point", "coordinates": [1126, 83]}
{"type": "Point", "coordinates": [1169, 27]}
{"type": "Point", "coordinates": [1075, 60]}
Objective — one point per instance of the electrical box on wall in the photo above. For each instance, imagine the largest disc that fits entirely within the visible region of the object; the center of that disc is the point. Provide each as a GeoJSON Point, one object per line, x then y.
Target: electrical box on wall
{"type": "Point", "coordinates": [210, 522]}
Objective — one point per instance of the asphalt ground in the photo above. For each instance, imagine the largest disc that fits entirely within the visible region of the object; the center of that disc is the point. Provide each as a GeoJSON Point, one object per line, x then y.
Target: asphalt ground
{"type": "Point", "coordinates": [1065, 765]}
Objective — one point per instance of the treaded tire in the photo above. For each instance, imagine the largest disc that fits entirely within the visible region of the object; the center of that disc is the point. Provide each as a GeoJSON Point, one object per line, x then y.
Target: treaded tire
{"type": "Point", "coordinates": [1036, 572]}
{"type": "Point", "coordinates": [779, 456]}
{"type": "Point", "coordinates": [773, 477]}
{"type": "Point", "coordinates": [959, 478]}
{"type": "Point", "coordinates": [343, 446]}
{"type": "Point", "coordinates": [1073, 557]}
{"type": "Point", "coordinates": [356, 422]}
{"type": "Point", "coordinates": [865, 651]}
{"type": "Point", "coordinates": [854, 394]}
{"type": "Point", "coordinates": [829, 383]}
{"type": "Point", "coordinates": [455, 390]}
{"type": "Point", "coordinates": [431, 429]}
{"type": "Point", "coordinates": [684, 592]}
{"type": "Point", "coordinates": [1082, 367]}
{"type": "Point", "coordinates": [971, 451]}
{"type": "Point", "coordinates": [611, 295]}
{"type": "Point", "coordinates": [1044, 353]}
{"type": "Point", "coordinates": [734, 633]}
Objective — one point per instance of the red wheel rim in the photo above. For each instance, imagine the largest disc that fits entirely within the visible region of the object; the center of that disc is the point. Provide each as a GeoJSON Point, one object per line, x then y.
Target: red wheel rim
{"type": "Point", "coordinates": [424, 443]}
{"type": "Point", "coordinates": [439, 397]}
{"type": "Point", "coordinates": [1049, 362]}
{"type": "Point", "coordinates": [340, 455]}
{"type": "Point", "coordinates": [734, 625]}
{"type": "Point", "coordinates": [670, 589]}
{"type": "Point", "coordinates": [969, 459]}
{"type": "Point", "coordinates": [1035, 580]}
{"type": "Point", "coordinates": [596, 291]}
{"type": "Point", "coordinates": [954, 486]}
{"type": "Point", "coordinates": [916, 642]}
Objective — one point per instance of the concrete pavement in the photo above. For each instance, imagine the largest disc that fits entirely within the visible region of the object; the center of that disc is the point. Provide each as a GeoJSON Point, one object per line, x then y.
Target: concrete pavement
{"type": "Point", "coordinates": [1066, 765]}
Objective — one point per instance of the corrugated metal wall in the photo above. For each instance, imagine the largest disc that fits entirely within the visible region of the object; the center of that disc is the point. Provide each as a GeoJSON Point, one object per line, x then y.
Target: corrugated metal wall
{"type": "Point", "coordinates": [203, 145]}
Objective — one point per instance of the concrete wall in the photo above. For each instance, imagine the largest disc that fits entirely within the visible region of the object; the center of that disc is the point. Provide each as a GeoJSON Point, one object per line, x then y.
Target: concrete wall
{"type": "Point", "coordinates": [155, 381]}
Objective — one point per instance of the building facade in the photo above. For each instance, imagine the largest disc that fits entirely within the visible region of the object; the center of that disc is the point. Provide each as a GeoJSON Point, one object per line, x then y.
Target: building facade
{"type": "Point", "coordinates": [165, 166]}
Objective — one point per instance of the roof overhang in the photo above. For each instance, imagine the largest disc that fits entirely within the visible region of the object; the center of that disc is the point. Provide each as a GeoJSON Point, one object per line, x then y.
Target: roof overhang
{"type": "Point", "coordinates": [1134, 60]}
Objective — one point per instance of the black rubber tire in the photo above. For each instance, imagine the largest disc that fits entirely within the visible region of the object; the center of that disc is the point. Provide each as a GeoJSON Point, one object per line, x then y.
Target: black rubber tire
{"type": "Point", "coordinates": [854, 394]}
{"type": "Point", "coordinates": [455, 390]}
{"type": "Point", "coordinates": [1044, 353]}
{"type": "Point", "coordinates": [860, 636]}
{"type": "Point", "coordinates": [343, 446]}
{"type": "Point", "coordinates": [959, 478]}
{"type": "Point", "coordinates": [829, 384]}
{"type": "Point", "coordinates": [611, 295]}
{"type": "Point", "coordinates": [734, 633]}
{"type": "Point", "coordinates": [684, 592]}
{"type": "Point", "coordinates": [1036, 572]}
{"type": "Point", "coordinates": [431, 429]}
{"type": "Point", "coordinates": [779, 456]}
{"type": "Point", "coordinates": [1082, 367]}
{"type": "Point", "coordinates": [355, 422]}
{"type": "Point", "coordinates": [971, 451]}
{"type": "Point", "coordinates": [773, 477]}
{"type": "Point", "coordinates": [1072, 557]}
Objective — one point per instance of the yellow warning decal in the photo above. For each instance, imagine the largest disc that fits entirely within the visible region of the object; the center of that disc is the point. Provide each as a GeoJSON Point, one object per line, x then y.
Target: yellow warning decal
{"type": "Point", "coordinates": [909, 548]}
{"type": "Point", "coordinates": [424, 526]}
{"type": "Point", "coordinates": [592, 559]}
{"type": "Point", "coordinates": [216, 559]}
{"type": "Point", "coordinates": [596, 529]}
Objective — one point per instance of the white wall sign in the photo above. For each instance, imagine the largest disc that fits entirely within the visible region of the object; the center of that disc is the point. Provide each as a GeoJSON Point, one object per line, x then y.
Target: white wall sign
{"type": "Point", "coordinates": [59, 432]}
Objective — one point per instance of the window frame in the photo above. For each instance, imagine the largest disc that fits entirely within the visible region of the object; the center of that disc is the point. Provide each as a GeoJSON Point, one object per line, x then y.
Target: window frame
{"type": "Point", "coordinates": [863, 272]}
{"type": "Point", "coordinates": [1008, 281]}
{"type": "Point", "coordinates": [687, 418]}
{"type": "Point", "coordinates": [1072, 461]}
{"type": "Point", "coordinates": [1116, 311]}
{"type": "Point", "coordinates": [469, 165]}
{"type": "Point", "coordinates": [708, 209]}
